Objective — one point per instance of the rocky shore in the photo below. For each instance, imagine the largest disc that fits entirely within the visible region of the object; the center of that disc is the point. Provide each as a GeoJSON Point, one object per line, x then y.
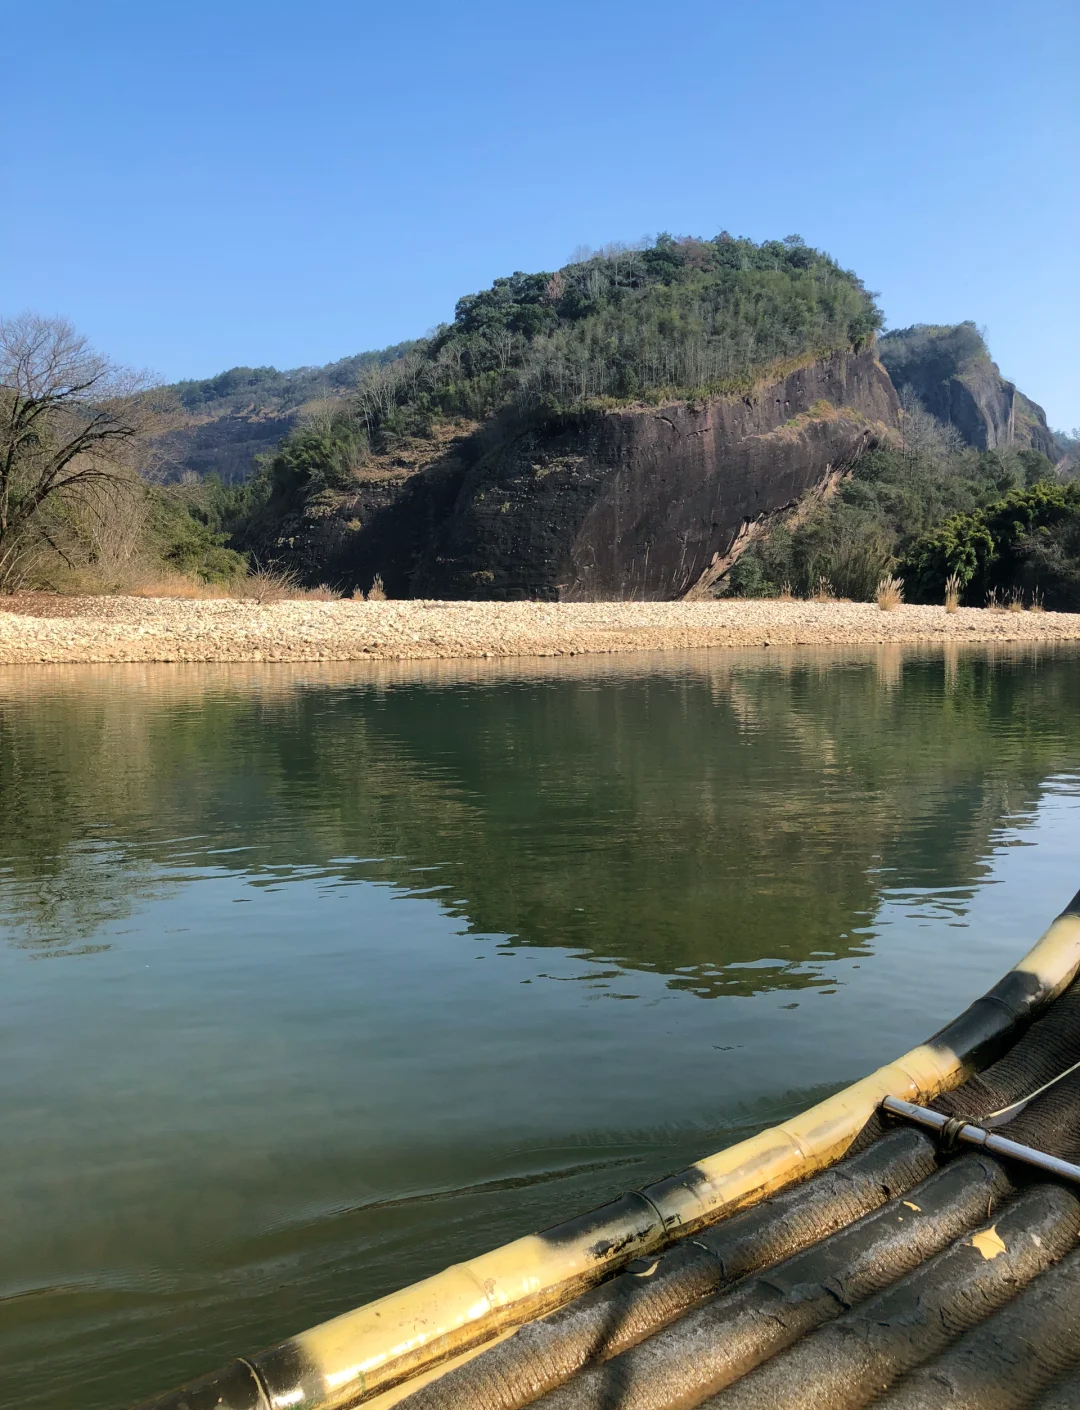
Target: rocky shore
{"type": "Point", "coordinates": [131, 629]}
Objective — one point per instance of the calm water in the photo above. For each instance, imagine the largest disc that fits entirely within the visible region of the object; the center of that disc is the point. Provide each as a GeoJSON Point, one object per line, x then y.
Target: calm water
{"type": "Point", "coordinates": [317, 980]}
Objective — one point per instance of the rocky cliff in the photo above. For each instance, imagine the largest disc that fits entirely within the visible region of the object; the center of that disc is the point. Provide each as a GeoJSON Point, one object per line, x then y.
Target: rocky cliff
{"type": "Point", "coordinates": [640, 502]}
{"type": "Point", "coordinates": [951, 372]}
{"type": "Point", "coordinates": [223, 443]}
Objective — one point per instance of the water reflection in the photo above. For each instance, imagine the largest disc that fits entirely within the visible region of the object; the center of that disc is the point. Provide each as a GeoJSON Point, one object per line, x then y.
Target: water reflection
{"type": "Point", "coordinates": [730, 823]}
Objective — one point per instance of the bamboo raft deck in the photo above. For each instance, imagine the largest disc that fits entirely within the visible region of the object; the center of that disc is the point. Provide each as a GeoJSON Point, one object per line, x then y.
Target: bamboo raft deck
{"type": "Point", "coordinates": [912, 1242]}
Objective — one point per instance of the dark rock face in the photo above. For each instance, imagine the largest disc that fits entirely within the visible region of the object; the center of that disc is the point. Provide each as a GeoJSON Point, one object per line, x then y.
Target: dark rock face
{"type": "Point", "coordinates": [952, 375]}
{"type": "Point", "coordinates": [226, 445]}
{"type": "Point", "coordinates": [638, 503]}
{"type": "Point", "coordinates": [989, 412]}
{"type": "Point", "coordinates": [344, 545]}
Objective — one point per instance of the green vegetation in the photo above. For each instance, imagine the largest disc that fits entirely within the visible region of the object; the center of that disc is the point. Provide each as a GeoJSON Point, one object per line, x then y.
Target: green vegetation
{"type": "Point", "coordinates": [267, 389]}
{"type": "Point", "coordinates": [1023, 548]}
{"type": "Point", "coordinates": [931, 353]}
{"type": "Point", "coordinates": [675, 318]}
{"type": "Point", "coordinates": [78, 512]}
{"type": "Point", "coordinates": [951, 372]}
{"type": "Point", "coordinates": [678, 317]}
{"type": "Point", "coordinates": [890, 515]}
{"type": "Point", "coordinates": [304, 480]}
{"type": "Point", "coordinates": [187, 531]}
{"type": "Point", "coordinates": [75, 513]}
{"type": "Point", "coordinates": [1003, 520]}
{"type": "Point", "coordinates": [313, 463]}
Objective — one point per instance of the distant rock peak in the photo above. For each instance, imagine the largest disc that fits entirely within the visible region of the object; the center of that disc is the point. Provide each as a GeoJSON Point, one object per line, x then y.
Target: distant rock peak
{"type": "Point", "coordinates": [951, 372]}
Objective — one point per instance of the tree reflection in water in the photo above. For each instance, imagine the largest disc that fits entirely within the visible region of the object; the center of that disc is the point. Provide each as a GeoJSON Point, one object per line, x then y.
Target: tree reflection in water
{"type": "Point", "coordinates": [730, 821]}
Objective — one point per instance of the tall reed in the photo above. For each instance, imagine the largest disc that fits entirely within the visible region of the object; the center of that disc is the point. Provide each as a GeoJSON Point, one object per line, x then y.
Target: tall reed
{"type": "Point", "coordinates": [890, 592]}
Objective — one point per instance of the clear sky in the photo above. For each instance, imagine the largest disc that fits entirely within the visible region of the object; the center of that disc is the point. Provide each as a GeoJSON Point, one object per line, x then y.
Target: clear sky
{"type": "Point", "coordinates": [203, 185]}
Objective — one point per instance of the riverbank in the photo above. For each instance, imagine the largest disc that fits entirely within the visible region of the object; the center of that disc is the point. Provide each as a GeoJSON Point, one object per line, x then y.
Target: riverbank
{"type": "Point", "coordinates": [108, 629]}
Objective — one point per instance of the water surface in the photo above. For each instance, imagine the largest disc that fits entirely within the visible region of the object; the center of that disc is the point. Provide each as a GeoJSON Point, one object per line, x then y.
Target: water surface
{"type": "Point", "coordinates": [318, 979]}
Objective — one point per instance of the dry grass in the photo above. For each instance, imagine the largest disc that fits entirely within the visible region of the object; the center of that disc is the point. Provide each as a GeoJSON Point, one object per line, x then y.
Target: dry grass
{"type": "Point", "coordinates": [376, 592]}
{"type": "Point", "coordinates": [279, 585]}
{"type": "Point", "coordinates": [177, 585]}
{"type": "Point", "coordinates": [323, 592]}
{"type": "Point", "coordinates": [823, 592]}
{"type": "Point", "coordinates": [890, 593]}
{"type": "Point", "coordinates": [952, 592]}
{"type": "Point", "coordinates": [265, 585]}
{"type": "Point", "coordinates": [262, 585]}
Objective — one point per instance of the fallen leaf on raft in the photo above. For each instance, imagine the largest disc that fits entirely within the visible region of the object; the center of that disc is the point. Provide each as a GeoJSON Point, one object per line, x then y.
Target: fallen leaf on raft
{"type": "Point", "coordinates": [988, 1243]}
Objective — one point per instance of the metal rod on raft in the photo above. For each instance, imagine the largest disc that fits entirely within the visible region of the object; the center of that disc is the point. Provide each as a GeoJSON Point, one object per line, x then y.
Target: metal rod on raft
{"type": "Point", "coordinates": [976, 1136]}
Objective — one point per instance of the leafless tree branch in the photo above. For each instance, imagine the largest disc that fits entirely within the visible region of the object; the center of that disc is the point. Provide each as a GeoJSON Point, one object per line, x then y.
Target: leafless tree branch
{"type": "Point", "coordinates": [69, 422]}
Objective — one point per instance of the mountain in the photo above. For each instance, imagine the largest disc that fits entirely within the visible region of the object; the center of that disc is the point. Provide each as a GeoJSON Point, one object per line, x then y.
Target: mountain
{"type": "Point", "coordinates": [612, 429]}
{"type": "Point", "coordinates": [634, 502]}
{"type": "Point", "coordinates": [218, 425]}
{"type": "Point", "coordinates": [625, 426]}
{"type": "Point", "coordinates": [951, 372]}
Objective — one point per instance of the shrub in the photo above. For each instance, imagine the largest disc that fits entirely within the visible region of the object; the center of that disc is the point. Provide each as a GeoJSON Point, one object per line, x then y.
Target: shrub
{"type": "Point", "coordinates": [263, 585]}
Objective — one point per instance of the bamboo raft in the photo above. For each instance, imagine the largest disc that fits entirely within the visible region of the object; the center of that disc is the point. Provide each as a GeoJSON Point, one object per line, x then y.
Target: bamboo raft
{"type": "Point", "coordinates": [912, 1242]}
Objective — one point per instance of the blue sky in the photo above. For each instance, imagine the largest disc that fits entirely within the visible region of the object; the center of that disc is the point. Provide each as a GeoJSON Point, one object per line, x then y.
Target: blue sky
{"type": "Point", "coordinates": [202, 185]}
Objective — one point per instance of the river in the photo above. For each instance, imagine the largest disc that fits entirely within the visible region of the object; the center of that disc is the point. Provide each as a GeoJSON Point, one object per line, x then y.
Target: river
{"type": "Point", "coordinates": [316, 979]}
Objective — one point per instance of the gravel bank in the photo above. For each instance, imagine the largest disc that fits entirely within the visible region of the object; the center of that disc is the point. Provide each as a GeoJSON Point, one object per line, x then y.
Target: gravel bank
{"type": "Point", "coordinates": [104, 629]}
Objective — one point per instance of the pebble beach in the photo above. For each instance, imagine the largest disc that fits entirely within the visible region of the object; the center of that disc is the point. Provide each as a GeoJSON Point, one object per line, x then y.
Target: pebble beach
{"type": "Point", "coordinates": [49, 629]}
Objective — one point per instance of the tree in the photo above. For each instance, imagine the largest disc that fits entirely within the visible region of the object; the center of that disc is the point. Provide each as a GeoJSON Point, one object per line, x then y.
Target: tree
{"type": "Point", "coordinates": [1028, 542]}
{"type": "Point", "coordinates": [70, 423]}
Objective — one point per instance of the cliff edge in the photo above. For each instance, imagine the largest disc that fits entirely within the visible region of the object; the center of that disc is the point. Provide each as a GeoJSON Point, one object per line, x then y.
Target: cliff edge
{"type": "Point", "coordinates": [641, 502]}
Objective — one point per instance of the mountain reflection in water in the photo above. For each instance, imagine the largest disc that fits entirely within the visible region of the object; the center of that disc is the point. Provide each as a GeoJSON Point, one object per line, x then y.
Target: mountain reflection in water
{"type": "Point", "coordinates": [668, 820]}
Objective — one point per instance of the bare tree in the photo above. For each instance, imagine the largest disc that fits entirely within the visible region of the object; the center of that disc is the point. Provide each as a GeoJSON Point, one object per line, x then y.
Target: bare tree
{"type": "Point", "coordinates": [380, 389]}
{"type": "Point", "coordinates": [69, 424]}
{"type": "Point", "coordinates": [924, 439]}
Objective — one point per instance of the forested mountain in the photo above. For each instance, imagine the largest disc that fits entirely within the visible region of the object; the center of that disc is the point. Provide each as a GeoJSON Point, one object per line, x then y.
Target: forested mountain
{"type": "Point", "coordinates": [219, 425]}
{"type": "Point", "coordinates": [625, 322]}
{"type": "Point", "coordinates": [490, 458]}
{"type": "Point", "coordinates": [678, 315]}
{"type": "Point", "coordinates": [974, 486]}
{"type": "Point", "coordinates": [520, 449]}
